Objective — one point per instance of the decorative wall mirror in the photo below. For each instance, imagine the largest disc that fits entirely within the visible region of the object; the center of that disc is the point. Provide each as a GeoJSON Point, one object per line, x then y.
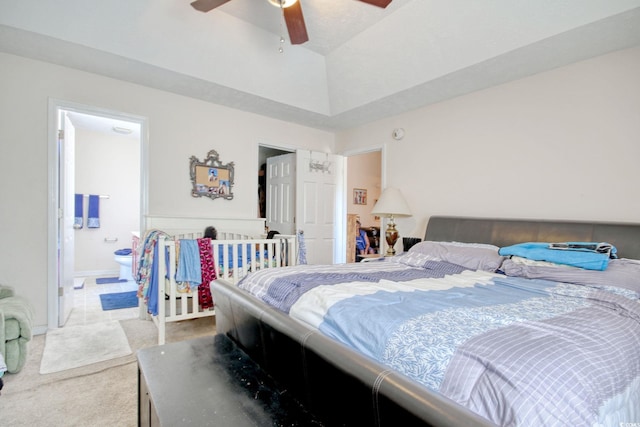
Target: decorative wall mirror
{"type": "Point", "coordinates": [210, 177]}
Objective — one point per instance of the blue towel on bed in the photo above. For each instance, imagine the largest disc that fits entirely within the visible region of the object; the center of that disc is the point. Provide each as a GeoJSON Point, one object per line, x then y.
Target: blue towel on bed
{"type": "Point", "coordinates": [93, 218]}
{"type": "Point", "coordinates": [77, 220]}
{"type": "Point", "coordinates": [587, 259]}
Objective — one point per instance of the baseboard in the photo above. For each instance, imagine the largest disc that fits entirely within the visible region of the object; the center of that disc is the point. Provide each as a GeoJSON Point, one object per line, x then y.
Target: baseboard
{"type": "Point", "coordinates": [39, 330]}
{"type": "Point", "coordinates": [91, 273]}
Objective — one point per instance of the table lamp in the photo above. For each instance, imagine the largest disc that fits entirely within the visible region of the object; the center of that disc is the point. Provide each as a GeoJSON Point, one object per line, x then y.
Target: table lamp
{"type": "Point", "coordinates": [391, 204]}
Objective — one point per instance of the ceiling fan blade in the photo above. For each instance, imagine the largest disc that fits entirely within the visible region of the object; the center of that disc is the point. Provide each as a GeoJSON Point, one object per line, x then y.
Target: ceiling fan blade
{"type": "Point", "coordinates": [295, 24]}
{"type": "Point", "coordinates": [207, 5]}
{"type": "Point", "coordinates": [379, 3]}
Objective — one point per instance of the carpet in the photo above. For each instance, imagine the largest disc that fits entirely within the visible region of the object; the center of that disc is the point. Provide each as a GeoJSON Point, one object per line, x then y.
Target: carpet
{"type": "Point", "coordinates": [117, 300]}
{"type": "Point", "coordinates": [105, 280]}
{"type": "Point", "coordinates": [75, 346]}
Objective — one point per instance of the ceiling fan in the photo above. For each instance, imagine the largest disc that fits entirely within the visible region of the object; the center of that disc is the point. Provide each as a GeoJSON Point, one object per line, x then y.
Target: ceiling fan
{"type": "Point", "coordinates": [292, 14]}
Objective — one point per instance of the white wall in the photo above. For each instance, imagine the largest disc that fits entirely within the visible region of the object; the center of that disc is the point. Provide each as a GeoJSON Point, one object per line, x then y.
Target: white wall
{"type": "Point", "coordinates": [106, 164]}
{"type": "Point", "coordinates": [563, 144]}
{"type": "Point", "coordinates": [179, 127]}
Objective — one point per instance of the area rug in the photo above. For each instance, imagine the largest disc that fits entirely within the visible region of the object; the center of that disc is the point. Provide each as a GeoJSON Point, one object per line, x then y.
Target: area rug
{"type": "Point", "coordinates": [117, 300]}
{"type": "Point", "coordinates": [105, 280]}
{"type": "Point", "coordinates": [75, 346]}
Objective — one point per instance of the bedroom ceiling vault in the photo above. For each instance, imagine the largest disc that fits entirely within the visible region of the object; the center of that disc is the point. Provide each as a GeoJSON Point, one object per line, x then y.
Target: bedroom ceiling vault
{"type": "Point", "coordinates": [361, 63]}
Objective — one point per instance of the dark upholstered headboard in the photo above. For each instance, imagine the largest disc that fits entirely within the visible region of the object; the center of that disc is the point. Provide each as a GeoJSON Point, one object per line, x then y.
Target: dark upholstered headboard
{"type": "Point", "coordinates": [504, 232]}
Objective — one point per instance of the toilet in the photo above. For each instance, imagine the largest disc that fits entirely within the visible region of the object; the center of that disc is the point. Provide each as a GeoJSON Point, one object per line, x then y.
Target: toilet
{"type": "Point", "coordinates": [125, 259]}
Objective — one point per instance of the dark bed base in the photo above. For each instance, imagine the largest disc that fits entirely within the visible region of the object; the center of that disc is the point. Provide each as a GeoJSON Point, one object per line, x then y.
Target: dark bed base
{"type": "Point", "coordinates": [340, 386]}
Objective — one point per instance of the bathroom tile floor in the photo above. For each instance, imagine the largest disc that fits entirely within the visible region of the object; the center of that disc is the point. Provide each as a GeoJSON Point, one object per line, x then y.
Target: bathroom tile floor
{"type": "Point", "coordinates": [86, 303]}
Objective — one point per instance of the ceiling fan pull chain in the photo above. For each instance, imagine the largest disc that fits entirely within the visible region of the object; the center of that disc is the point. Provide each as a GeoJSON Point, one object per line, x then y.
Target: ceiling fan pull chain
{"type": "Point", "coordinates": [281, 48]}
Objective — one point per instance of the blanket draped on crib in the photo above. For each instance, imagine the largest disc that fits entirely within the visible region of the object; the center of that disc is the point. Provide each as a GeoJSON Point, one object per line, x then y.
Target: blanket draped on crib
{"type": "Point", "coordinates": [194, 268]}
{"type": "Point", "coordinates": [147, 275]}
{"type": "Point", "coordinates": [208, 273]}
{"type": "Point", "coordinates": [188, 272]}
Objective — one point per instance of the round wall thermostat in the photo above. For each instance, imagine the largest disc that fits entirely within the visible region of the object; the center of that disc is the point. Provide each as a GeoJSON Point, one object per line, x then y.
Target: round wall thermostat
{"type": "Point", "coordinates": [398, 134]}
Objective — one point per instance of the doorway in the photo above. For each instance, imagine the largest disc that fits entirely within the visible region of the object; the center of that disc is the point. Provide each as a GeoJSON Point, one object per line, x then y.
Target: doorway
{"type": "Point", "coordinates": [312, 205]}
{"type": "Point", "coordinates": [264, 154]}
{"type": "Point", "coordinates": [99, 153]}
{"type": "Point", "coordinates": [364, 185]}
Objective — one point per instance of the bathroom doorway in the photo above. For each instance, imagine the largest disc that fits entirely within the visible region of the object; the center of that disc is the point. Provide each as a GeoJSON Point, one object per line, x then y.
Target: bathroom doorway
{"type": "Point", "coordinates": [100, 177]}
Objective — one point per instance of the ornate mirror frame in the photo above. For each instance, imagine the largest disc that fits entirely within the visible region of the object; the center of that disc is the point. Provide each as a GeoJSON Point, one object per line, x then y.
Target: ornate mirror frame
{"type": "Point", "coordinates": [210, 177]}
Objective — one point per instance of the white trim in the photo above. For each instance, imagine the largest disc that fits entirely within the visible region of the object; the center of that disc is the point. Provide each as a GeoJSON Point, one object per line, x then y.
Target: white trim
{"type": "Point", "coordinates": [54, 105]}
{"type": "Point", "coordinates": [383, 181]}
{"type": "Point", "coordinates": [183, 225]}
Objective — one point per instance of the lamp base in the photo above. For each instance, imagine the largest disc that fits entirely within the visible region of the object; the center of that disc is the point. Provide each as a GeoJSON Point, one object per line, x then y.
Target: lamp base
{"type": "Point", "coordinates": [391, 235]}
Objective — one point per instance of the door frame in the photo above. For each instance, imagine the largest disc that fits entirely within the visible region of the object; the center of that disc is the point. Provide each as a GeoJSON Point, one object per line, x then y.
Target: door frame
{"type": "Point", "coordinates": [53, 208]}
{"type": "Point", "coordinates": [383, 183]}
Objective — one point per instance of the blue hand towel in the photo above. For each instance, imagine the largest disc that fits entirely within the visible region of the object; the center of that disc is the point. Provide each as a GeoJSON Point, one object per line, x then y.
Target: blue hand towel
{"type": "Point", "coordinates": [93, 219]}
{"type": "Point", "coordinates": [77, 220]}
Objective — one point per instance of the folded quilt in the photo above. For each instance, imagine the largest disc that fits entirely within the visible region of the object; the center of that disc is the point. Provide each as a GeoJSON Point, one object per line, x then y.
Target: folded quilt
{"type": "Point", "coordinates": [601, 247]}
{"type": "Point", "coordinates": [582, 257]}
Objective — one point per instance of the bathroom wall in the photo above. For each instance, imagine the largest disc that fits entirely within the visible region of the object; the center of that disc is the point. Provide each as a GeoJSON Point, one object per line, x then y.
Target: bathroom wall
{"type": "Point", "coordinates": [106, 164]}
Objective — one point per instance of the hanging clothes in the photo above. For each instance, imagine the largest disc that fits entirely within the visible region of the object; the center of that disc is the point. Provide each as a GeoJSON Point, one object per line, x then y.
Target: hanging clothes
{"type": "Point", "coordinates": [302, 248]}
{"type": "Point", "coordinates": [147, 273]}
{"type": "Point", "coordinates": [208, 273]}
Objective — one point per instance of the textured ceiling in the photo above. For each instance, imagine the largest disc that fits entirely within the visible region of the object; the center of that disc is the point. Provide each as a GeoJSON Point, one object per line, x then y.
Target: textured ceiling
{"type": "Point", "coordinates": [361, 64]}
{"type": "Point", "coordinates": [329, 23]}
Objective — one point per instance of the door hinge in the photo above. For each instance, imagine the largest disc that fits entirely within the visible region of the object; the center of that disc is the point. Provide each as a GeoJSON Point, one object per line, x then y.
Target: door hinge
{"type": "Point", "coordinates": [60, 133]}
{"type": "Point", "coordinates": [61, 292]}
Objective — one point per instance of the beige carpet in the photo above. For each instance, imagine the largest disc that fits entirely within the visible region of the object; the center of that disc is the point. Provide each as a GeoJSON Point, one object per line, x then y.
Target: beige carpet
{"type": "Point", "coordinates": [75, 346]}
{"type": "Point", "coordinates": [99, 394]}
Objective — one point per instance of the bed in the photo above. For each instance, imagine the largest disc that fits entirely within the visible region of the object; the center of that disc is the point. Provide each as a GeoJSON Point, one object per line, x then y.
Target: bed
{"type": "Point", "coordinates": [570, 356]}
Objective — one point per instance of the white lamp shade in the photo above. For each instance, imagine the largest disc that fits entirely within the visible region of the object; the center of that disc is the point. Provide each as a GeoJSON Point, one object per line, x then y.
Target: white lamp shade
{"type": "Point", "coordinates": [391, 203]}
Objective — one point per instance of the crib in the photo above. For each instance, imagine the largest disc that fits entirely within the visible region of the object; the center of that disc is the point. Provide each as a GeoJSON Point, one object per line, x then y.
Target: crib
{"type": "Point", "coordinates": [240, 254]}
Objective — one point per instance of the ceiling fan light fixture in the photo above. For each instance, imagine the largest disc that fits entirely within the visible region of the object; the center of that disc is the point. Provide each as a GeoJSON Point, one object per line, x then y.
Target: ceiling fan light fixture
{"type": "Point", "coordinates": [283, 3]}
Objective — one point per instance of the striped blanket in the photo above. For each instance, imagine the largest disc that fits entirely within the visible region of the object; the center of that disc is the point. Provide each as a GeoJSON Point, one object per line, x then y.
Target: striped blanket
{"type": "Point", "coordinates": [516, 351]}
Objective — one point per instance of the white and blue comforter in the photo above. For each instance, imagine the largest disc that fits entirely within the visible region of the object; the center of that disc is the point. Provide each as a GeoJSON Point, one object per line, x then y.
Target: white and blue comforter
{"type": "Point", "coordinates": [516, 351]}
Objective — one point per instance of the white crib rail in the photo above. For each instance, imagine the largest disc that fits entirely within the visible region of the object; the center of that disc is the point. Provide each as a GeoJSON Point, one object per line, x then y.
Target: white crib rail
{"type": "Point", "coordinates": [256, 254]}
{"type": "Point", "coordinates": [174, 306]}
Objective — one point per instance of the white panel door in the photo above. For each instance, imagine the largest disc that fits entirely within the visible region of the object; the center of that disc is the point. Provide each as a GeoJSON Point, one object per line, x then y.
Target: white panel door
{"type": "Point", "coordinates": [318, 213]}
{"type": "Point", "coordinates": [281, 193]}
{"type": "Point", "coordinates": [66, 189]}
